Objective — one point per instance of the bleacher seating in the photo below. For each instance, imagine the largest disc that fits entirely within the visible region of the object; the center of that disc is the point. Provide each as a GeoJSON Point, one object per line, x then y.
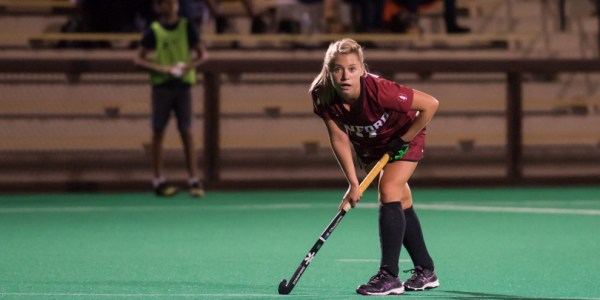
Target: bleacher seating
{"type": "Point", "coordinates": [270, 113]}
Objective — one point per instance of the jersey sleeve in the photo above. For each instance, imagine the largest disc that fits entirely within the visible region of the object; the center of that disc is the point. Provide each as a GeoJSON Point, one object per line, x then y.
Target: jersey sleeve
{"type": "Point", "coordinates": [318, 108]}
{"type": "Point", "coordinates": [193, 35]}
{"type": "Point", "coordinates": [148, 39]}
{"type": "Point", "coordinates": [395, 96]}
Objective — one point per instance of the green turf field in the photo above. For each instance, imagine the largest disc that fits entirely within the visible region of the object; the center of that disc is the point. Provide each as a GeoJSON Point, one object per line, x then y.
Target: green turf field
{"type": "Point", "coordinates": [488, 243]}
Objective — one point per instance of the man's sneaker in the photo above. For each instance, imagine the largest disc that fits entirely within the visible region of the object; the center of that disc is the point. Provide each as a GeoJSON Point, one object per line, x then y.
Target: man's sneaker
{"type": "Point", "coordinates": [196, 189]}
{"type": "Point", "coordinates": [164, 190]}
{"type": "Point", "coordinates": [421, 279]}
{"type": "Point", "coordinates": [382, 284]}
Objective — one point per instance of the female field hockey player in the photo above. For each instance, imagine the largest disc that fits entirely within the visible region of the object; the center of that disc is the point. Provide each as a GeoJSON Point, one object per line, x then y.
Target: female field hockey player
{"type": "Point", "coordinates": [374, 116]}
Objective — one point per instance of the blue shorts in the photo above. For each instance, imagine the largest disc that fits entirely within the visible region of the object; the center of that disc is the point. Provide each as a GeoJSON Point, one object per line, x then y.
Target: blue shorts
{"type": "Point", "coordinates": [171, 99]}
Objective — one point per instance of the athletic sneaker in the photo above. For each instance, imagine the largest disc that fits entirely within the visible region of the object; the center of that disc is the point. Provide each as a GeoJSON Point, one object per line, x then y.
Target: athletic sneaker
{"type": "Point", "coordinates": [382, 284]}
{"type": "Point", "coordinates": [421, 279]}
{"type": "Point", "coordinates": [196, 189]}
{"type": "Point", "coordinates": [164, 190]}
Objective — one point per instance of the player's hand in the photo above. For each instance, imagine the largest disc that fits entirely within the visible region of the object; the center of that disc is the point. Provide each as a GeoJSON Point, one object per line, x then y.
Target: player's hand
{"type": "Point", "coordinates": [397, 149]}
{"type": "Point", "coordinates": [351, 197]}
{"type": "Point", "coordinates": [178, 69]}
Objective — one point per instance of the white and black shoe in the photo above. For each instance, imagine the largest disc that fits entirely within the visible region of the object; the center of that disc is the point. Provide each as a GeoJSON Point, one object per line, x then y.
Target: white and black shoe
{"type": "Point", "coordinates": [422, 279]}
{"type": "Point", "coordinates": [382, 284]}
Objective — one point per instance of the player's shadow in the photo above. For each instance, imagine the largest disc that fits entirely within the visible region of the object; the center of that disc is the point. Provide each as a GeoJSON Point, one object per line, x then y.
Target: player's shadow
{"type": "Point", "coordinates": [476, 295]}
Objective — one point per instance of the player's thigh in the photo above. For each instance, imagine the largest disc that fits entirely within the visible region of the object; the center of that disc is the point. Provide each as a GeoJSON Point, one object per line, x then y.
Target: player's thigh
{"type": "Point", "coordinates": [162, 104]}
{"type": "Point", "coordinates": [406, 197]}
{"type": "Point", "coordinates": [393, 180]}
{"type": "Point", "coordinates": [183, 109]}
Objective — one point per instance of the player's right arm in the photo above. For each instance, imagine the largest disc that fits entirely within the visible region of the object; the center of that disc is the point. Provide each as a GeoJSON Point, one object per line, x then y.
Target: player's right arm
{"type": "Point", "coordinates": [426, 105]}
{"type": "Point", "coordinates": [143, 56]}
{"type": "Point", "coordinates": [342, 149]}
{"type": "Point", "coordinates": [143, 60]}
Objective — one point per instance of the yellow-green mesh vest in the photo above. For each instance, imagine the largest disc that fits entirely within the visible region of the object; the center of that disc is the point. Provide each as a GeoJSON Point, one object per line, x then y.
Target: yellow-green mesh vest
{"type": "Point", "coordinates": [171, 47]}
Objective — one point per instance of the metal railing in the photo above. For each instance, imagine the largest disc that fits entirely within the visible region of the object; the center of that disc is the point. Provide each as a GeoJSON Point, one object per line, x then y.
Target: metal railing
{"type": "Point", "coordinates": [513, 69]}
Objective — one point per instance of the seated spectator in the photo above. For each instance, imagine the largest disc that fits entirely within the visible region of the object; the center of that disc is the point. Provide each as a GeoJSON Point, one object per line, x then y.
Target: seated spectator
{"type": "Point", "coordinates": [222, 21]}
{"type": "Point", "coordinates": [371, 15]}
{"type": "Point", "coordinates": [408, 19]}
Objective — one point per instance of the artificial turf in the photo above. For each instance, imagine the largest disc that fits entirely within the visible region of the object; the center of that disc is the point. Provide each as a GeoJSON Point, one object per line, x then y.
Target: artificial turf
{"type": "Point", "coordinates": [487, 243]}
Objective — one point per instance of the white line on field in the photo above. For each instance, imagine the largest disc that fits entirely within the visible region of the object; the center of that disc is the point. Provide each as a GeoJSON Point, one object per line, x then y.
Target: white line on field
{"type": "Point", "coordinates": [263, 296]}
{"type": "Point", "coordinates": [496, 209]}
{"type": "Point", "coordinates": [156, 295]}
{"type": "Point", "coordinates": [364, 260]}
{"type": "Point", "coordinates": [535, 210]}
{"type": "Point", "coordinates": [150, 208]}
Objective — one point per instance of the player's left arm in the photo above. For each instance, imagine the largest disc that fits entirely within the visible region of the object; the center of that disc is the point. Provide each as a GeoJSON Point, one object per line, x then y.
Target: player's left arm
{"type": "Point", "coordinates": [426, 106]}
{"type": "Point", "coordinates": [199, 55]}
{"type": "Point", "coordinates": [143, 60]}
{"type": "Point", "coordinates": [197, 48]}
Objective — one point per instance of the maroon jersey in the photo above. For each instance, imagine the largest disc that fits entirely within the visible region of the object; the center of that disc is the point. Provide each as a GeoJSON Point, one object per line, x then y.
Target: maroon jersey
{"type": "Point", "coordinates": [381, 113]}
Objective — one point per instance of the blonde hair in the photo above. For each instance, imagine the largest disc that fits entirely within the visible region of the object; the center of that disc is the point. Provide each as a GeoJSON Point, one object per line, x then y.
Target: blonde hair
{"type": "Point", "coordinates": [323, 82]}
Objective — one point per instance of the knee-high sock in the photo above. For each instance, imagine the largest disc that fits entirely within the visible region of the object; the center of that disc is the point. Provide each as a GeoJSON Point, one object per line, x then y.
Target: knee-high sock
{"type": "Point", "coordinates": [414, 241]}
{"type": "Point", "coordinates": [391, 234]}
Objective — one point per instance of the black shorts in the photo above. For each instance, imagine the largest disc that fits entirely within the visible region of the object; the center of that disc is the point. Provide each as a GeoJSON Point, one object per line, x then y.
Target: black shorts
{"type": "Point", "coordinates": [171, 99]}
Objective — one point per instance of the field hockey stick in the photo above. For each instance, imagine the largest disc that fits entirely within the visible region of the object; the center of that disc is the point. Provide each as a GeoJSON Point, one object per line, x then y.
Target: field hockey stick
{"type": "Point", "coordinates": [285, 287]}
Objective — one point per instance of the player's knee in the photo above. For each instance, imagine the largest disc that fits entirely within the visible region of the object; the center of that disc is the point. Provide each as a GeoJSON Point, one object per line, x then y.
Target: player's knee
{"type": "Point", "coordinates": [184, 129]}
{"type": "Point", "coordinates": [158, 131]}
{"type": "Point", "coordinates": [406, 201]}
{"type": "Point", "coordinates": [389, 194]}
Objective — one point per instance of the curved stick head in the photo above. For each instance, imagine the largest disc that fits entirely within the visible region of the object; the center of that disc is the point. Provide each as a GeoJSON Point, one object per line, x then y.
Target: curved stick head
{"type": "Point", "coordinates": [283, 288]}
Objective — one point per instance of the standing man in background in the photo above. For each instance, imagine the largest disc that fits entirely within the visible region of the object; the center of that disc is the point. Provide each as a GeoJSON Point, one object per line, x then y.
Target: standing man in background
{"type": "Point", "coordinates": [177, 52]}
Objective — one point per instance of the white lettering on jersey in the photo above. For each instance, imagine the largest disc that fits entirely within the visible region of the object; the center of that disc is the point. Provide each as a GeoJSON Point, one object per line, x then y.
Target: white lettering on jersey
{"type": "Point", "coordinates": [370, 130]}
{"type": "Point", "coordinates": [402, 97]}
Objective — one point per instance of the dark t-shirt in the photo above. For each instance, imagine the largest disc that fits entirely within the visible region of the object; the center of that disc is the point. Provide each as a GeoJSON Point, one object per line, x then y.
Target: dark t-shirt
{"type": "Point", "coordinates": [382, 113]}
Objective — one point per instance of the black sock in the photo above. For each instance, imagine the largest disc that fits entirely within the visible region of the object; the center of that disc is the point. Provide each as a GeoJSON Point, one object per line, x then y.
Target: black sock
{"type": "Point", "coordinates": [391, 233]}
{"type": "Point", "coordinates": [414, 241]}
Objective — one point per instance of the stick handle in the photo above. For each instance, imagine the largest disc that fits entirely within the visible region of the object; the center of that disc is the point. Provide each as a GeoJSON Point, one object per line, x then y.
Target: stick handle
{"type": "Point", "coordinates": [370, 177]}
